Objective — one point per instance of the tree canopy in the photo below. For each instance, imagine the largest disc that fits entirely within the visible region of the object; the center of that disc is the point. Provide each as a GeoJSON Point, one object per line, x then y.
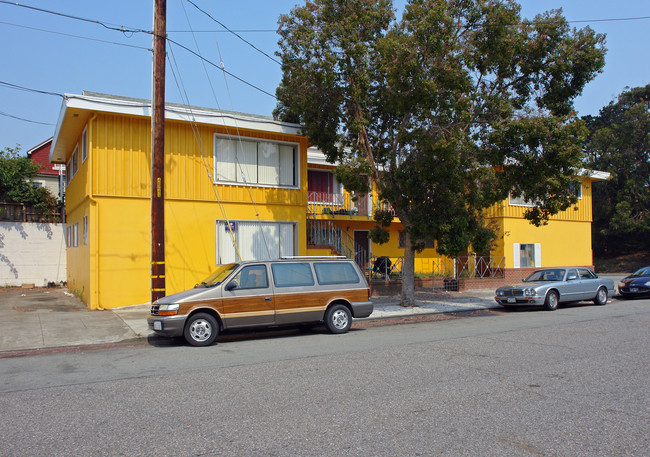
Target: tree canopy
{"type": "Point", "coordinates": [16, 185]}
{"type": "Point", "coordinates": [619, 142]}
{"type": "Point", "coordinates": [446, 110]}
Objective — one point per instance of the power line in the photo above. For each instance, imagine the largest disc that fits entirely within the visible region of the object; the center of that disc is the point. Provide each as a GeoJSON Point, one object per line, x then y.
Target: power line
{"type": "Point", "coordinates": [220, 67]}
{"type": "Point", "coordinates": [225, 31]}
{"type": "Point", "coordinates": [234, 33]}
{"type": "Point", "coordinates": [27, 89]}
{"type": "Point", "coordinates": [108, 25]}
{"type": "Point", "coordinates": [76, 36]}
{"type": "Point", "coordinates": [23, 119]}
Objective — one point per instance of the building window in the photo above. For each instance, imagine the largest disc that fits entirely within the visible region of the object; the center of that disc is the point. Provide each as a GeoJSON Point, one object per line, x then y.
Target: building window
{"type": "Point", "coordinates": [68, 236]}
{"type": "Point", "coordinates": [84, 145]}
{"type": "Point", "coordinates": [75, 234]}
{"type": "Point", "coordinates": [577, 190]}
{"type": "Point", "coordinates": [519, 201]}
{"type": "Point", "coordinates": [323, 187]}
{"type": "Point", "coordinates": [254, 240]}
{"type": "Point", "coordinates": [527, 255]}
{"type": "Point", "coordinates": [85, 230]}
{"type": "Point", "coordinates": [255, 162]}
{"type": "Point", "coordinates": [72, 166]}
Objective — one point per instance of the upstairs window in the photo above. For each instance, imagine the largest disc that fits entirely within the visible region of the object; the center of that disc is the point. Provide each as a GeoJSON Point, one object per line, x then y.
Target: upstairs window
{"type": "Point", "coordinates": [72, 165]}
{"type": "Point", "coordinates": [84, 145]}
{"type": "Point", "coordinates": [255, 162]}
{"type": "Point", "coordinates": [322, 187]}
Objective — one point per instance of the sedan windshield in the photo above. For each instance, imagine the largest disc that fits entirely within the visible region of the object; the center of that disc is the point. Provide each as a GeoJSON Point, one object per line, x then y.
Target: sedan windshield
{"type": "Point", "coordinates": [219, 275]}
{"type": "Point", "coordinates": [642, 272]}
{"type": "Point", "coordinates": [556, 274]}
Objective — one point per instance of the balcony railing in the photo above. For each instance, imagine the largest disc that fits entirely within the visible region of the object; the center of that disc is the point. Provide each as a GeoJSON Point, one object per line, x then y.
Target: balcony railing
{"type": "Point", "coordinates": [328, 204]}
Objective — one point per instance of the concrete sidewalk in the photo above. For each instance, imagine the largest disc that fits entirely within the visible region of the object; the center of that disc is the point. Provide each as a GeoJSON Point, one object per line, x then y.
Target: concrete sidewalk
{"type": "Point", "coordinates": [32, 319]}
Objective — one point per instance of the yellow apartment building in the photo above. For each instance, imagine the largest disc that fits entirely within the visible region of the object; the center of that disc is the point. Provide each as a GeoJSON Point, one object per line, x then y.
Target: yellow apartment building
{"type": "Point", "coordinates": [227, 175]}
{"type": "Point", "coordinates": [238, 186]}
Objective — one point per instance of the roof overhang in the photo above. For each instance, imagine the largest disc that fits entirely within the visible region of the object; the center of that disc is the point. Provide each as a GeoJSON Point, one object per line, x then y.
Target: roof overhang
{"type": "Point", "coordinates": [316, 157]}
{"type": "Point", "coordinates": [595, 175]}
{"type": "Point", "coordinates": [77, 109]}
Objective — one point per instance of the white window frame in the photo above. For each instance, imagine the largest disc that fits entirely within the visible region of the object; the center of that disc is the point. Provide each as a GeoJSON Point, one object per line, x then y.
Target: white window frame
{"type": "Point", "coordinates": [84, 145]}
{"type": "Point", "coordinates": [537, 255]}
{"type": "Point", "coordinates": [85, 230]}
{"type": "Point", "coordinates": [75, 235]}
{"type": "Point", "coordinates": [519, 201]}
{"type": "Point", "coordinates": [276, 233]}
{"type": "Point", "coordinates": [249, 173]}
{"type": "Point", "coordinates": [72, 166]}
{"type": "Point", "coordinates": [578, 189]}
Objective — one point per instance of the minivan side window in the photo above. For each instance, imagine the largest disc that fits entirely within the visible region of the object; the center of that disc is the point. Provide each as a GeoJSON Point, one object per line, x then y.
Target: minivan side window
{"type": "Point", "coordinates": [292, 274]}
{"type": "Point", "coordinates": [335, 273]}
{"type": "Point", "coordinates": [252, 277]}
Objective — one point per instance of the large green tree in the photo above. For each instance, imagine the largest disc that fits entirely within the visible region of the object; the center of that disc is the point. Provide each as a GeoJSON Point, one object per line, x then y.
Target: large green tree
{"type": "Point", "coordinates": [16, 185]}
{"type": "Point", "coordinates": [619, 142]}
{"type": "Point", "coordinates": [446, 110]}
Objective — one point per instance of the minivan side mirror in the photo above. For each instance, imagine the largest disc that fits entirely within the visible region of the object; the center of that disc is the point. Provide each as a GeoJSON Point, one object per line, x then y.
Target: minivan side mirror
{"type": "Point", "coordinates": [231, 285]}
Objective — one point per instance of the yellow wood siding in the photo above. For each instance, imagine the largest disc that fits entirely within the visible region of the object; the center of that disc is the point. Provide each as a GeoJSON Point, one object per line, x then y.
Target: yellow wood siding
{"type": "Point", "coordinates": [123, 162]}
{"type": "Point", "coordinates": [581, 211]}
{"type": "Point", "coordinates": [113, 187]}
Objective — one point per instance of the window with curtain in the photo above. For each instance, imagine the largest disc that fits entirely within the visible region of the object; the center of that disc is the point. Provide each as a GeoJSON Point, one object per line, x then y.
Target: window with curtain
{"type": "Point", "coordinates": [255, 162]}
{"type": "Point", "coordinates": [255, 240]}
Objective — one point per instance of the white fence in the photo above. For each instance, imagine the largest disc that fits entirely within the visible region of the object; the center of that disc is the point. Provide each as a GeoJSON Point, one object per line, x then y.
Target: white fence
{"type": "Point", "coordinates": [32, 253]}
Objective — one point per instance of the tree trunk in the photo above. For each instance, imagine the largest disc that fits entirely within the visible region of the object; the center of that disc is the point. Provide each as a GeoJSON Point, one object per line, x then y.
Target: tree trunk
{"type": "Point", "coordinates": [408, 273]}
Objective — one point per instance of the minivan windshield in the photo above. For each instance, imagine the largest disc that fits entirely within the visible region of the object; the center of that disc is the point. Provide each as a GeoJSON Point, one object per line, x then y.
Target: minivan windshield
{"type": "Point", "coordinates": [218, 276]}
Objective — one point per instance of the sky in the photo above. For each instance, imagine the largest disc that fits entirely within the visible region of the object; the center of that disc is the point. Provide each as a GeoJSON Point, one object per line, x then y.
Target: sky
{"type": "Point", "coordinates": [98, 52]}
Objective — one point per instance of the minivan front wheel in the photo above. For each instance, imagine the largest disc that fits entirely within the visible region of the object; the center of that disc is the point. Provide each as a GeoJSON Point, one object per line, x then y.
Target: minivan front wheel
{"type": "Point", "coordinates": [201, 329]}
{"type": "Point", "coordinates": [338, 319]}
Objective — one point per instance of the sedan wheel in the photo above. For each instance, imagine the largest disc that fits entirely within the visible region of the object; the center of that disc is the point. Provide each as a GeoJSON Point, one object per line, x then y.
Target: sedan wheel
{"type": "Point", "coordinates": [552, 300]}
{"type": "Point", "coordinates": [601, 297]}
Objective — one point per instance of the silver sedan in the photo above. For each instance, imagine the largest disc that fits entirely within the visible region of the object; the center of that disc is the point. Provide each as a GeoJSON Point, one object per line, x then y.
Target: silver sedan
{"type": "Point", "coordinates": [552, 286]}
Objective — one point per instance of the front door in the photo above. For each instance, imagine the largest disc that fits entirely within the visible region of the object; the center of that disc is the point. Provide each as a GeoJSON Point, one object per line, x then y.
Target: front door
{"type": "Point", "coordinates": [361, 248]}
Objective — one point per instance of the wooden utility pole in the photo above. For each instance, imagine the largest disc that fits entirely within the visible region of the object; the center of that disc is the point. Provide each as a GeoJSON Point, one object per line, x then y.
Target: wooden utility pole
{"type": "Point", "coordinates": [158, 152]}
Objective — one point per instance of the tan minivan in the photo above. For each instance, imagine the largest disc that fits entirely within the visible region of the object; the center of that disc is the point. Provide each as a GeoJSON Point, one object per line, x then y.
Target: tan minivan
{"type": "Point", "coordinates": [294, 290]}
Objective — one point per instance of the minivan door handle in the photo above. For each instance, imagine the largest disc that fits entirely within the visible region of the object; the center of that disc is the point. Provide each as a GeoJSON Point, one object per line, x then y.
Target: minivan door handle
{"type": "Point", "coordinates": [267, 298]}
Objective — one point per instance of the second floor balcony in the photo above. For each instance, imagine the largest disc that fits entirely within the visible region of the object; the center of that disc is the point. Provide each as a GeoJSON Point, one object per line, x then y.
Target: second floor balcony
{"type": "Point", "coordinates": [343, 205]}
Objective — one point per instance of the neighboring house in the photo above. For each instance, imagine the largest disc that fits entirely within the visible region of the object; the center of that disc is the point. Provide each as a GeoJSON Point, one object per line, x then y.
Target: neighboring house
{"type": "Point", "coordinates": [50, 175]}
{"type": "Point", "coordinates": [232, 176]}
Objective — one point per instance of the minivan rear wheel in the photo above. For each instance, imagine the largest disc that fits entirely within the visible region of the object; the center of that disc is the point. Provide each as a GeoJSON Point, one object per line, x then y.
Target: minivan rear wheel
{"type": "Point", "coordinates": [338, 319]}
{"type": "Point", "coordinates": [201, 329]}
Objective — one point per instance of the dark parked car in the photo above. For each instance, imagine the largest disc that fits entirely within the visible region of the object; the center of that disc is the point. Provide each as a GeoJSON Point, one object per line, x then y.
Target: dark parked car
{"type": "Point", "coordinates": [551, 286]}
{"type": "Point", "coordinates": [636, 285]}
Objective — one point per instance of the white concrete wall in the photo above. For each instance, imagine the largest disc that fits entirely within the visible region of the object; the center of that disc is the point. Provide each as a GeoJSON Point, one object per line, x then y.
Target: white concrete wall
{"type": "Point", "coordinates": [32, 253]}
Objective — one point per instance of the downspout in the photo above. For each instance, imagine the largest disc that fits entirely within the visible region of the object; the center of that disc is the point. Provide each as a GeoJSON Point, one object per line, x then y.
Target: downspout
{"type": "Point", "coordinates": [93, 204]}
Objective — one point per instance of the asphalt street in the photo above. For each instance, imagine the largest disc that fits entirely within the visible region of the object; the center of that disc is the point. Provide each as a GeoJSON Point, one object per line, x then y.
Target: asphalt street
{"type": "Point", "coordinates": [572, 382]}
